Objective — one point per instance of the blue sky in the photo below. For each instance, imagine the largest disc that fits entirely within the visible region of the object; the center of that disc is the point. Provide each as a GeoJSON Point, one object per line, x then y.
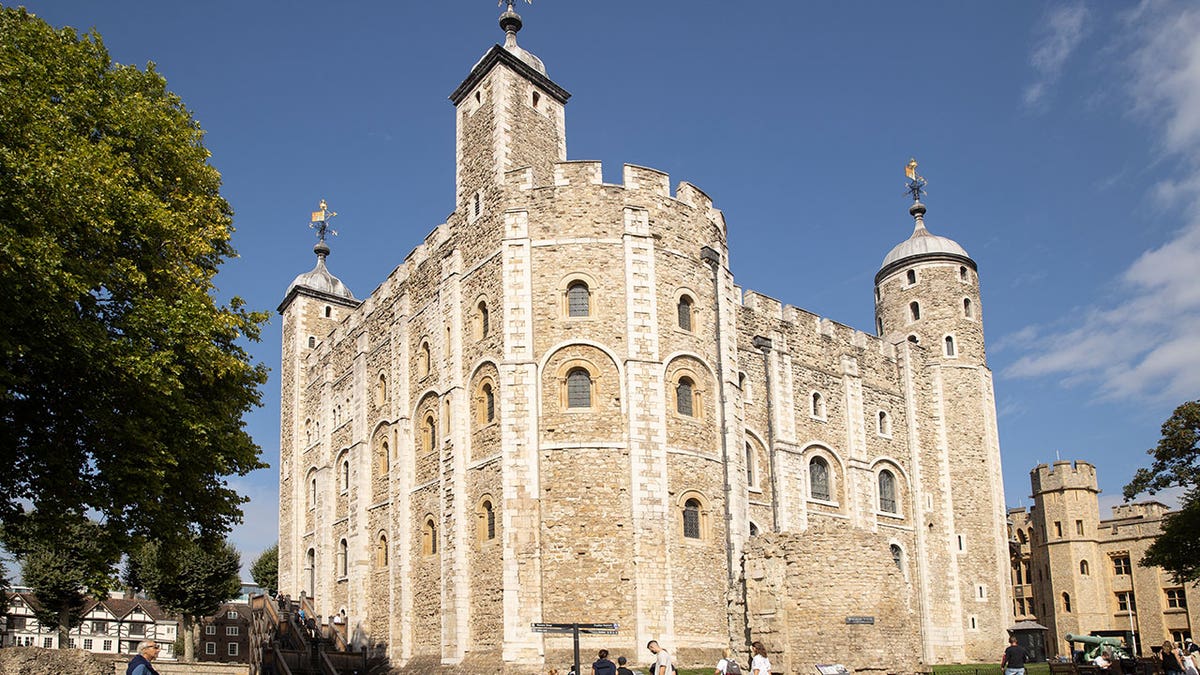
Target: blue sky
{"type": "Point", "coordinates": [1061, 142]}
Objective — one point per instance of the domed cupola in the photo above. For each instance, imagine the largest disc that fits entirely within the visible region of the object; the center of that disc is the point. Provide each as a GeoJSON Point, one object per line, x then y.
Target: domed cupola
{"type": "Point", "coordinates": [923, 244]}
{"type": "Point", "coordinates": [319, 278]}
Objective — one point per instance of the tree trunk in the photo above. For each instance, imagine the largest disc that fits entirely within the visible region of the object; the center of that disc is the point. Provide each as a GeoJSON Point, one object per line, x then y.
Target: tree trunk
{"type": "Point", "coordinates": [189, 641]}
{"type": "Point", "coordinates": [64, 630]}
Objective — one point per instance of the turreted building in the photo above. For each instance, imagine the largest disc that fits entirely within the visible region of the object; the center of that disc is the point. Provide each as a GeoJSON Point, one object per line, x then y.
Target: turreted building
{"type": "Point", "coordinates": [561, 407]}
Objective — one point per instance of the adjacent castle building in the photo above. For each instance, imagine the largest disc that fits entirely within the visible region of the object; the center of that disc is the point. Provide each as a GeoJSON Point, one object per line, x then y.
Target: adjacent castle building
{"type": "Point", "coordinates": [1076, 573]}
{"type": "Point", "coordinates": [561, 407]}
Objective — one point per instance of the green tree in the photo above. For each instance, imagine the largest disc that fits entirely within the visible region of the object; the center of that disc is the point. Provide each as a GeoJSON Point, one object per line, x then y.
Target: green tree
{"type": "Point", "coordinates": [122, 380]}
{"type": "Point", "coordinates": [265, 570]}
{"type": "Point", "coordinates": [63, 565]}
{"type": "Point", "coordinates": [1176, 464]}
{"type": "Point", "coordinates": [190, 578]}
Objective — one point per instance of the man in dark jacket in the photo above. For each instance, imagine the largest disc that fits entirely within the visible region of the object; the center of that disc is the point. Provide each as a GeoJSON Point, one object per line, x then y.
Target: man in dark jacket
{"type": "Point", "coordinates": [140, 664]}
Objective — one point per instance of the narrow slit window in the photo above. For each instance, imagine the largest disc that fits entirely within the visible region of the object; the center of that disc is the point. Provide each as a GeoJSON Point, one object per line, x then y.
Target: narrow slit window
{"type": "Point", "coordinates": [911, 277]}
{"type": "Point", "coordinates": [914, 310]}
{"type": "Point", "coordinates": [950, 346]}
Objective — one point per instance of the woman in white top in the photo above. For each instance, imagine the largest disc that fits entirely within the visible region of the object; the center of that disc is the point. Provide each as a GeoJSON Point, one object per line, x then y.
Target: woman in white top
{"type": "Point", "coordinates": [760, 665]}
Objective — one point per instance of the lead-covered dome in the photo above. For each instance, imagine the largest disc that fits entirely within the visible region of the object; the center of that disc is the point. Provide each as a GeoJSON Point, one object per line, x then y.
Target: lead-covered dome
{"type": "Point", "coordinates": [923, 243]}
{"type": "Point", "coordinates": [319, 278]}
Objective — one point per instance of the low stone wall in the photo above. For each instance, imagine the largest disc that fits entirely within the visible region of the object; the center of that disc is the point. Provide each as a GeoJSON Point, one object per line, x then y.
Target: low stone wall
{"type": "Point", "coordinates": [38, 661]}
{"type": "Point", "coordinates": [181, 668]}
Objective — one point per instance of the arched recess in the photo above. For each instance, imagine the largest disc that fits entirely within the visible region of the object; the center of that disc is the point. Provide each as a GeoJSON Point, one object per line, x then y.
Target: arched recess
{"type": "Point", "coordinates": [824, 493]}
{"type": "Point", "coordinates": [761, 473]}
{"type": "Point", "coordinates": [901, 494]}
{"type": "Point", "coordinates": [581, 395]}
{"type": "Point", "coordinates": [381, 460]}
{"type": "Point", "coordinates": [691, 424]}
{"type": "Point", "coordinates": [426, 438]}
{"type": "Point", "coordinates": [693, 517]}
{"type": "Point", "coordinates": [485, 411]}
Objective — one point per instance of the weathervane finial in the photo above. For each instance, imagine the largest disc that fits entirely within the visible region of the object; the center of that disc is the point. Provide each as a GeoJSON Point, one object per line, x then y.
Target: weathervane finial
{"type": "Point", "coordinates": [320, 222]}
{"type": "Point", "coordinates": [916, 182]}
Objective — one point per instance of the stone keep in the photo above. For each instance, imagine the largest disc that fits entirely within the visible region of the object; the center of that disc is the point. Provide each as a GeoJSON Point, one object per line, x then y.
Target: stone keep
{"type": "Point", "coordinates": [561, 407]}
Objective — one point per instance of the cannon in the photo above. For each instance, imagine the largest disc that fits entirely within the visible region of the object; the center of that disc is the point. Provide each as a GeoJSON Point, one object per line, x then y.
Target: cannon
{"type": "Point", "coordinates": [1099, 644]}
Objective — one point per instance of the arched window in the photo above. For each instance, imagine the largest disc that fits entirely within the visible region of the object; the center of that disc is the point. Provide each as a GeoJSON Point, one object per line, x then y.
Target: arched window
{"type": "Point", "coordinates": [691, 519]}
{"type": "Point", "coordinates": [345, 475]}
{"type": "Point", "coordinates": [818, 405]}
{"type": "Point", "coordinates": [897, 556]}
{"type": "Point", "coordinates": [383, 461]}
{"type": "Point", "coordinates": [477, 205]}
{"type": "Point", "coordinates": [381, 551]}
{"type": "Point", "coordinates": [1083, 568]}
{"type": "Point", "coordinates": [884, 424]}
{"type": "Point", "coordinates": [887, 492]}
{"type": "Point", "coordinates": [963, 275]}
{"type": "Point", "coordinates": [684, 312]}
{"type": "Point", "coordinates": [579, 299]}
{"type": "Point", "coordinates": [308, 432]}
{"type": "Point", "coordinates": [312, 490]}
{"type": "Point", "coordinates": [911, 276]}
{"type": "Point", "coordinates": [484, 319]}
{"type": "Point", "coordinates": [489, 520]}
{"type": "Point", "coordinates": [950, 345]}
{"type": "Point", "coordinates": [489, 403]}
{"type": "Point", "coordinates": [328, 311]}
{"type": "Point", "coordinates": [751, 478]}
{"type": "Point", "coordinates": [579, 388]}
{"type": "Point", "coordinates": [423, 360]}
{"type": "Point", "coordinates": [343, 562]}
{"type": "Point", "coordinates": [914, 339]}
{"type": "Point", "coordinates": [381, 390]}
{"type": "Point", "coordinates": [310, 569]}
{"type": "Point", "coordinates": [914, 310]}
{"type": "Point", "coordinates": [967, 310]}
{"type": "Point", "coordinates": [683, 397]}
{"type": "Point", "coordinates": [818, 479]}
{"type": "Point", "coordinates": [429, 538]}
{"type": "Point", "coordinates": [1066, 598]}
{"type": "Point", "coordinates": [312, 341]}
{"type": "Point", "coordinates": [429, 437]}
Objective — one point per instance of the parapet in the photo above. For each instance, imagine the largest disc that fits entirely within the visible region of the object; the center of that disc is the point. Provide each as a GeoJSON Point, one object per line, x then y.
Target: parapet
{"type": "Point", "coordinates": [1147, 510]}
{"type": "Point", "coordinates": [803, 320]}
{"type": "Point", "coordinates": [1063, 475]}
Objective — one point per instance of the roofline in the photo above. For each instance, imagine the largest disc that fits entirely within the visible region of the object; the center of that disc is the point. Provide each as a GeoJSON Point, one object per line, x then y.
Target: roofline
{"type": "Point", "coordinates": [319, 295]}
{"type": "Point", "coordinates": [498, 54]}
{"type": "Point", "coordinates": [923, 257]}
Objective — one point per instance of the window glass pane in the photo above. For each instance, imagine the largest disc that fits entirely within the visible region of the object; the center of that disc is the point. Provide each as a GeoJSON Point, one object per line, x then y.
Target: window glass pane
{"type": "Point", "coordinates": [685, 313]}
{"type": "Point", "coordinates": [887, 492]}
{"type": "Point", "coordinates": [577, 299]}
{"type": "Point", "coordinates": [691, 519]}
{"type": "Point", "coordinates": [579, 389]}
{"type": "Point", "coordinates": [683, 397]}
{"type": "Point", "coordinates": [818, 479]}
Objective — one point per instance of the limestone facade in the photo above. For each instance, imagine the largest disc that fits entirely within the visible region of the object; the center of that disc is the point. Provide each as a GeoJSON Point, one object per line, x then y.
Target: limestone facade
{"type": "Point", "coordinates": [1077, 573]}
{"type": "Point", "coordinates": [561, 407]}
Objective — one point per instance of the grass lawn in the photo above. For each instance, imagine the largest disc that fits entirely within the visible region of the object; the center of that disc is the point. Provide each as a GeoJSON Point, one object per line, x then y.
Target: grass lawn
{"type": "Point", "coordinates": [987, 669]}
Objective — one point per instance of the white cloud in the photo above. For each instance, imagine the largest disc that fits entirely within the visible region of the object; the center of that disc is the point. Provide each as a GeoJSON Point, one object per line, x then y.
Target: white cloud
{"type": "Point", "coordinates": [1060, 33]}
{"type": "Point", "coordinates": [1145, 340]}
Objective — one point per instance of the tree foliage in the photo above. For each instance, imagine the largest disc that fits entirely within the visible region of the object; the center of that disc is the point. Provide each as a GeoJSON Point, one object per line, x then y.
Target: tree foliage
{"type": "Point", "coordinates": [190, 578]}
{"type": "Point", "coordinates": [265, 570]}
{"type": "Point", "coordinates": [63, 564]}
{"type": "Point", "coordinates": [1176, 464]}
{"type": "Point", "coordinates": [122, 381]}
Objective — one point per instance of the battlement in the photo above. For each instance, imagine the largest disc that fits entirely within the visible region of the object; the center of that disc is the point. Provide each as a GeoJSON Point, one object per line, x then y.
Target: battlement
{"type": "Point", "coordinates": [790, 315]}
{"type": "Point", "coordinates": [634, 178]}
{"type": "Point", "coordinates": [1063, 475]}
{"type": "Point", "coordinates": [1147, 510]}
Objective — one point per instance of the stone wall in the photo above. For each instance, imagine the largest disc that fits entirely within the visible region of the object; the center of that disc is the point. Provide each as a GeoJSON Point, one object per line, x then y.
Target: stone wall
{"type": "Point", "coordinates": [801, 615]}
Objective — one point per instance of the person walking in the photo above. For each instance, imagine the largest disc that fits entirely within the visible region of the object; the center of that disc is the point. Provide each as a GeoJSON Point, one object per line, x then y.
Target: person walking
{"type": "Point", "coordinates": [760, 664]}
{"type": "Point", "coordinates": [1013, 661]}
{"type": "Point", "coordinates": [1171, 664]}
{"type": "Point", "coordinates": [140, 664]}
{"type": "Point", "coordinates": [622, 667]}
{"type": "Point", "coordinates": [727, 665]}
{"type": "Point", "coordinates": [602, 666]}
{"type": "Point", "coordinates": [662, 660]}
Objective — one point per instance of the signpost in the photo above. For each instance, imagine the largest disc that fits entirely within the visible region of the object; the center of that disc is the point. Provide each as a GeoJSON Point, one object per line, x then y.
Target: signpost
{"type": "Point", "coordinates": [575, 629]}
